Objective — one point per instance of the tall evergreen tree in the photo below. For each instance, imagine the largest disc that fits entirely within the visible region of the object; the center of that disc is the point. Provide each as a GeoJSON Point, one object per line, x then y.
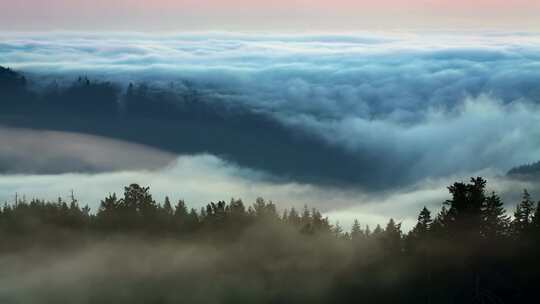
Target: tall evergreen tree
{"type": "Point", "coordinates": [167, 207]}
{"type": "Point", "coordinates": [356, 231]}
{"type": "Point", "coordinates": [306, 216]}
{"type": "Point", "coordinates": [495, 222]}
{"type": "Point", "coordinates": [337, 230]}
{"type": "Point", "coordinates": [377, 232]}
{"type": "Point", "coordinates": [391, 237]}
{"type": "Point", "coordinates": [464, 215]}
{"type": "Point", "coordinates": [424, 223]}
{"type": "Point", "coordinates": [108, 214]}
{"type": "Point", "coordinates": [293, 217]}
{"type": "Point", "coordinates": [523, 215]}
{"type": "Point", "coordinates": [536, 222]}
{"type": "Point", "coordinates": [416, 237]}
{"type": "Point", "coordinates": [367, 231]}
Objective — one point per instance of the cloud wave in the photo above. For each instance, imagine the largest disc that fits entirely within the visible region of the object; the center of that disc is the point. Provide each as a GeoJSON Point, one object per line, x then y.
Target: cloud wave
{"type": "Point", "coordinates": [402, 107]}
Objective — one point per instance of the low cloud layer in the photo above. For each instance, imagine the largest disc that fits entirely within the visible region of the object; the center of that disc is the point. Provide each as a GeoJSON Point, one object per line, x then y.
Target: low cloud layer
{"type": "Point", "coordinates": [387, 111]}
{"type": "Point", "coordinates": [407, 98]}
{"type": "Point", "coordinates": [49, 152]}
{"type": "Point", "coordinates": [201, 179]}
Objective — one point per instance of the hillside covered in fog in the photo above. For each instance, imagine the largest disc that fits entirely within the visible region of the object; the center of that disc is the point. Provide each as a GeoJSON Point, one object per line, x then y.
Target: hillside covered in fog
{"type": "Point", "coordinates": [134, 249]}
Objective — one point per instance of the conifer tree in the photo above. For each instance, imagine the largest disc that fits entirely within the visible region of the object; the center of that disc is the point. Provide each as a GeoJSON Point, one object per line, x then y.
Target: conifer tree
{"type": "Point", "coordinates": [293, 217]}
{"type": "Point", "coordinates": [367, 231]}
{"type": "Point", "coordinates": [463, 218]}
{"type": "Point", "coordinates": [536, 221]}
{"type": "Point", "coordinates": [306, 216]}
{"type": "Point", "coordinates": [337, 230]}
{"type": "Point", "coordinates": [167, 207]}
{"type": "Point", "coordinates": [523, 215]}
{"type": "Point", "coordinates": [495, 221]}
{"type": "Point", "coordinates": [391, 237]}
{"type": "Point", "coordinates": [356, 231]}
{"type": "Point", "coordinates": [424, 223]}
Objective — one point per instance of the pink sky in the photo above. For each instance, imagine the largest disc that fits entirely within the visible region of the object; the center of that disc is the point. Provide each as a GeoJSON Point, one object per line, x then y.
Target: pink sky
{"type": "Point", "coordinates": [143, 15]}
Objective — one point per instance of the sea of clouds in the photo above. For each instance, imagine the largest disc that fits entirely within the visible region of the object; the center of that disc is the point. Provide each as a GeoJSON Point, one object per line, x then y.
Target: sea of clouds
{"type": "Point", "coordinates": [422, 106]}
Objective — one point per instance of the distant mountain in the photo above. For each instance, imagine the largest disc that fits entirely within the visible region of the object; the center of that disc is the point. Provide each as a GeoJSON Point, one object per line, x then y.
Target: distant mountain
{"type": "Point", "coordinates": [526, 170]}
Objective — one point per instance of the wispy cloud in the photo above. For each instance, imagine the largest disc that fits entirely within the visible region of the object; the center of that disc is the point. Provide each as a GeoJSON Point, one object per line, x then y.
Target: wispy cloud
{"type": "Point", "coordinates": [41, 152]}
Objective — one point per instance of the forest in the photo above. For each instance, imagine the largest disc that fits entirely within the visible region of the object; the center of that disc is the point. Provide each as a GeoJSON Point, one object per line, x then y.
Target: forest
{"type": "Point", "coordinates": [180, 118]}
{"type": "Point", "coordinates": [133, 249]}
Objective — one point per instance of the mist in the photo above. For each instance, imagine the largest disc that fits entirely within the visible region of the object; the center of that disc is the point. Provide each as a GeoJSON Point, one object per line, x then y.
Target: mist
{"type": "Point", "coordinates": [63, 152]}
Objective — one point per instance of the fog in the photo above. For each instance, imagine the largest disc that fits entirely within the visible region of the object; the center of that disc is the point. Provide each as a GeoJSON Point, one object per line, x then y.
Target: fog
{"type": "Point", "coordinates": [126, 269]}
{"type": "Point", "coordinates": [48, 152]}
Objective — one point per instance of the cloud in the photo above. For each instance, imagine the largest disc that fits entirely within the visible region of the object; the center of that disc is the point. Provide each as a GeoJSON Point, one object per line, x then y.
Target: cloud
{"type": "Point", "coordinates": [478, 133]}
{"type": "Point", "coordinates": [50, 152]}
{"type": "Point", "coordinates": [205, 178]}
{"type": "Point", "coordinates": [325, 75]}
{"type": "Point", "coordinates": [379, 110]}
{"type": "Point", "coordinates": [197, 179]}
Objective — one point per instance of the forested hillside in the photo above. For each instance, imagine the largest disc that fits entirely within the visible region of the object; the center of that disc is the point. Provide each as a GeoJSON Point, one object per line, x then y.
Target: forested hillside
{"type": "Point", "coordinates": [178, 119]}
{"type": "Point", "coordinates": [136, 250]}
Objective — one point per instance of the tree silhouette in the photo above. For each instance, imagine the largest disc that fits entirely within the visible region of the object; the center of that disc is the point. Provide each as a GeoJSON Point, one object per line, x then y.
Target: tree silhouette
{"type": "Point", "coordinates": [424, 223]}
{"type": "Point", "coordinates": [356, 231]}
{"type": "Point", "coordinates": [463, 218]}
{"type": "Point", "coordinates": [416, 238]}
{"type": "Point", "coordinates": [536, 219]}
{"type": "Point", "coordinates": [391, 238]}
{"type": "Point", "coordinates": [470, 252]}
{"type": "Point", "coordinates": [523, 215]}
{"type": "Point", "coordinates": [495, 222]}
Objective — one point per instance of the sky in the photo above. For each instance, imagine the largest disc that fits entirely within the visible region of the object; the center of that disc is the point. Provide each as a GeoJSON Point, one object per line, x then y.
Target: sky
{"type": "Point", "coordinates": [277, 15]}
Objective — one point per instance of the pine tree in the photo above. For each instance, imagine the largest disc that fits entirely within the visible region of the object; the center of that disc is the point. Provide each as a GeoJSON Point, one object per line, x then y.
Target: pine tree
{"type": "Point", "coordinates": [367, 232]}
{"type": "Point", "coordinates": [524, 214]}
{"type": "Point", "coordinates": [285, 216]}
{"type": "Point", "coordinates": [424, 223]}
{"type": "Point", "coordinates": [495, 222]}
{"type": "Point", "coordinates": [337, 230]}
{"type": "Point", "coordinates": [536, 221]}
{"type": "Point", "coordinates": [193, 220]}
{"type": "Point", "coordinates": [167, 208]}
{"type": "Point", "coordinates": [237, 208]}
{"type": "Point", "coordinates": [293, 217]}
{"type": "Point", "coordinates": [356, 231]}
{"type": "Point", "coordinates": [317, 221]}
{"type": "Point", "coordinates": [391, 237]}
{"type": "Point", "coordinates": [306, 216]}
{"type": "Point", "coordinates": [377, 231]}
{"type": "Point", "coordinates": [463, 218]}
{"type": "Point", "coordinates": [108, 214]}
{"type": "Point", "coordinates": [306, 223]}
